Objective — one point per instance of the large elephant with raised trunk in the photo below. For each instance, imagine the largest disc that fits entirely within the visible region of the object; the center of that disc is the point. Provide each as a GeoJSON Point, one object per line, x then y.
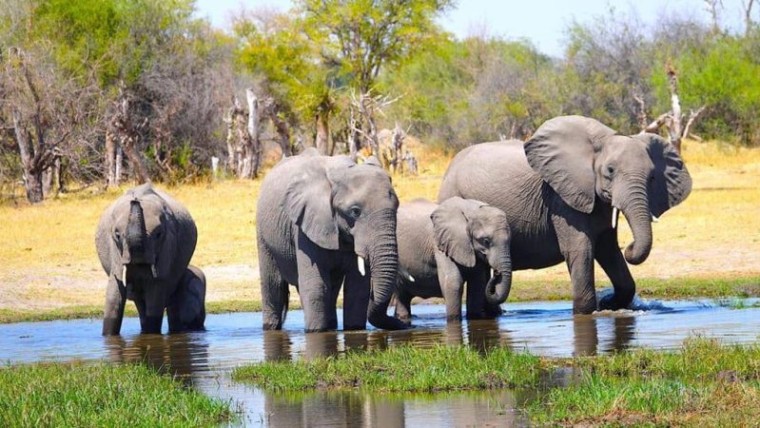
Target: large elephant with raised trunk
{"type": "Point", "coordinates": [442, 247]}
{"type": "Point", "coordinates": [321, 221]}
{"type": "Point", "coordinates": [145, 241]}
{"type": "Point", "coordinates": [561, 192]}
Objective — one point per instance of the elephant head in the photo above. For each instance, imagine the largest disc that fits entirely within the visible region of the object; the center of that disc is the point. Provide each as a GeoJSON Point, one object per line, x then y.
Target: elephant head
{"type": "Point", "coordinates": [341, 205]}
{"type": "Point", "coordinates": [144, 237]}
{"type": "Point", "coordinates": [586, 163]}
{"type": "Point", "coordinates": [466, 230]}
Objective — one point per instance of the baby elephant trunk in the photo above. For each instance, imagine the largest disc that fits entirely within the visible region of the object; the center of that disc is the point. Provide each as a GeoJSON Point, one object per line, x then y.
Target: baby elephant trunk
{"type": "Point", "coordinates": [500, 283]}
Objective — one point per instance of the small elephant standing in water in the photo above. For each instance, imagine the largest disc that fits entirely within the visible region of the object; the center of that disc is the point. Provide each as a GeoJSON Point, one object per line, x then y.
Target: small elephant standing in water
{"type": "Point", "coordinates": [443, 246]}
{"type": "Point", "coordinates": [145, 241]}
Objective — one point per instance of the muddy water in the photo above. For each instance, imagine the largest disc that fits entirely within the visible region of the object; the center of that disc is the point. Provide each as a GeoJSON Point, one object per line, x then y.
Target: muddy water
{"type": "Point", "coordinates": [203, 360]}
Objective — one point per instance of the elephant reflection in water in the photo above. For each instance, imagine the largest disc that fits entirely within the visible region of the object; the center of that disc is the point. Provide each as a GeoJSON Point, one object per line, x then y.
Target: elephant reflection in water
{"type": "Point", "coordinates": [180, 355]}
{"type": "Point", "coordinates": [586, 334]}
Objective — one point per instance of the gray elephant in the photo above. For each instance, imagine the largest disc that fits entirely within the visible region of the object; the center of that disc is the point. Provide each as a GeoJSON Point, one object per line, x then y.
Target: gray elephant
{"type": "Point", "coordinates": [145, 240]}
{"type": "Point", "coordinates": [561, 191]}
{"type": "Point", "coordinates": [320, 221]}
{"type": "Point", "coordinates": [443, 246]}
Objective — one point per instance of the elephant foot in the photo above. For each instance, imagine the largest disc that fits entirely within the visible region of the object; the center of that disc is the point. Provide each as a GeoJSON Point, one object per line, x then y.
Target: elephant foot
{"type": "Point", "coordinates": [609, 302]}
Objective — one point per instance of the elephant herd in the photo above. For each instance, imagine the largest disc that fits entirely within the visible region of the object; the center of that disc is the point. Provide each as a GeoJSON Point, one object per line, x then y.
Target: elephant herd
{"type": "Point", "coordinates": [325, 223]}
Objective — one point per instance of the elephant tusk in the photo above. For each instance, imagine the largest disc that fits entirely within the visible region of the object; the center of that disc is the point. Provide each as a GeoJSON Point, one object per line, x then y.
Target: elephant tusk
{"type": "Point", "coordinates": [615, 213]}
{"type": "Point", "coordinates": [360, 265]}
{"type": "Point", "coordinates": [154, 271]}
{"type": "Point", "coordinates": [124, 273]}
{"type": "Point", "coordinates": [655, 219]}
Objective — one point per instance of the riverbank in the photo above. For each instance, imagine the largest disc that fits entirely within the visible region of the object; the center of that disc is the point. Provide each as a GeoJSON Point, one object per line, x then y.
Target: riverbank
{"type": "Point", "coordinates": [708, 246]}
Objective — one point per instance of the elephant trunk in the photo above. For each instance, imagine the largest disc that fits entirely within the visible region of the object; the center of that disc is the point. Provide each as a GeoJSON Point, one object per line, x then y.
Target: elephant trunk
{"type": "Point", "coordinates": [137, 238]}
{"type": "Point", "coordinates": [383, 263]}
{"type": "Point", "coordinates": [639, 218]}
{"type": "Point", "coordinates": [500, 284]}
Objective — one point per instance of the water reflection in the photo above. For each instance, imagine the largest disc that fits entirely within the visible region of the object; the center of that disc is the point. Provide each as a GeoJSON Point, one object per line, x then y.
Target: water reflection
{"type": "Point", "coordinates": [180, 355]}
{"type": "Point", "coordinates": [586, 333]}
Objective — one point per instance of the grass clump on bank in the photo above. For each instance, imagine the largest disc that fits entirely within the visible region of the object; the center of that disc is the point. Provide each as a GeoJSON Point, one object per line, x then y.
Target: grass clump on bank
{"type": "Point", "coordinates": [101, 395]}
{"type": "Point", "coordinates": [399, 369]}
{"type": "Point", "coordinates": [704, 382]}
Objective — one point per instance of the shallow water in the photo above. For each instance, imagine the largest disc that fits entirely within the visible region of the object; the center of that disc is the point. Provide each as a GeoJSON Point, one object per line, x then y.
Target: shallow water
{"type": "Point", "coordinates": [204, 359]}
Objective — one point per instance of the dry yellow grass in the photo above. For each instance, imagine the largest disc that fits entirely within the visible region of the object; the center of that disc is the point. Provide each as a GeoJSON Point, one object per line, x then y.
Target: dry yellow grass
{"type": "Point", "coordinates": [48, 259]}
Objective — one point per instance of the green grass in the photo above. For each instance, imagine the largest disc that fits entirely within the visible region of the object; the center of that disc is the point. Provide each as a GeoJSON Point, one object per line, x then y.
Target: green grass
{"type": "Point", "coordinates": [702, 383]}
{"type": "Point", "coordinates": [86, 395]}
{"type": "Point", "coordinates": [400, 369]}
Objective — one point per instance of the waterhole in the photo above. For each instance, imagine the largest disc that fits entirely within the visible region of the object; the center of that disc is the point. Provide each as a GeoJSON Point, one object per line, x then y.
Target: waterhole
{"type": "Point", "coordinates": [204, 360]}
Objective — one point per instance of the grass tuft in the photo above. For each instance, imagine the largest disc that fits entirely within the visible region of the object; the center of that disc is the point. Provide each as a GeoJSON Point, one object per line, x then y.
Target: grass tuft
{"type": "Point", "coordinates": [77, 394]}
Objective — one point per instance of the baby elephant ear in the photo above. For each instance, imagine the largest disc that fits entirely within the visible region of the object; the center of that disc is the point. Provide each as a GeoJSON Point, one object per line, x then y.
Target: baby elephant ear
{"type": "Point", "coordinates": [562, 152]}
{"type": "Point", "coordinates": [452, 233]}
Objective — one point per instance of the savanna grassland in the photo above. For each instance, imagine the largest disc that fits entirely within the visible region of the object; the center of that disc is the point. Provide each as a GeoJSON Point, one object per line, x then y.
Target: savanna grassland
{"type": "Point", "coordinates": [707, 246]}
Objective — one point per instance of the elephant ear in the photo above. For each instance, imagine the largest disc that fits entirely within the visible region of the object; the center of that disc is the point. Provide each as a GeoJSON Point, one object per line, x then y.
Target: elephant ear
{"type": "Point", "coordinates": [562, 152]}
{"type": "Point", "coordinates": [308, 202]}
{"type": "Point", "coordinates": [671, 182]}
{"type": "Point", "coordinates": [452, 235]}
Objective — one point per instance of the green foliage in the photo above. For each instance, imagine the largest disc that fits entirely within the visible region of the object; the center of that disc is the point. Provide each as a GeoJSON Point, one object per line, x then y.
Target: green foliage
{"type": "Point", "coordinates": [101, 395]}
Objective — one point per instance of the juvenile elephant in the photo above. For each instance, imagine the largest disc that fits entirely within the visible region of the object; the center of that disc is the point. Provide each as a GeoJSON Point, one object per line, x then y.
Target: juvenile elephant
{"type": "Point", "coordinates": [443, 246]}
{"type": "Point", "coordinates": [145, 240]}
{"type": "Point", "coordinates": [320, 221]}
{"type": "Point", "coordinates": [559, 191]}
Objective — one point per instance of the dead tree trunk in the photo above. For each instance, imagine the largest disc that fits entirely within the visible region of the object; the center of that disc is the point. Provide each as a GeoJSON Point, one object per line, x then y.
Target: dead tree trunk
{"type": "Point", "coordinates": [128, 134]}
{"type": "Point", "coordinates": [255, 151]}
{"type": "Point", "coordinates": [323, 134]}
{"type": "Point", "coordinates": [673, 119]}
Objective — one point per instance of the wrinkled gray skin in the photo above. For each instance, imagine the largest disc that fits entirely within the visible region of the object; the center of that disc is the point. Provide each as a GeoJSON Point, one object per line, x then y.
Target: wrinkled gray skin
{"type": "Point", "coordinates": [145, 240]}
{"type": "Point", "coordinates": [315, 215]}
{"type": "Point", "coordinates": [440, 247]}
{"type": "Point", "coordinates": [558, 191]}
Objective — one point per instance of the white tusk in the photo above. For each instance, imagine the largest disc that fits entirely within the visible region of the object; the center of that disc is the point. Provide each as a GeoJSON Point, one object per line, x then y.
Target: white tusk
{"type": "Point", "coordinates": [615, 213]}
{"type": "Point", "coordinates": [154, 271]}
{"type": "Point", "coordinates": [360, 265]}
{"type": "Point", "coordinates": [655, 219]}
{"type": "Point", "coordinates": [493, 273]}
{"type": "Point", "coordinates": [410, 278]}
{"type": "Point", "coordinates": [124, 273]}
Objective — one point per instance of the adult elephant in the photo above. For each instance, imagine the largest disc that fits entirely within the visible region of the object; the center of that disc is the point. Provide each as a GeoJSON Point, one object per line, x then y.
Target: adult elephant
{"type": "Point", "coordinates": [443, 246]}
{"type": "Point", "coordinates": [318, 219]}
{"type": "Point", "coordinates": [145, 240]}
{"type": "Point", "coordinates": [559, 191]}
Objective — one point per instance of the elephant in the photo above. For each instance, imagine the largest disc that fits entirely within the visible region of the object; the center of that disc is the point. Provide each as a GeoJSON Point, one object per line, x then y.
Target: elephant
{"type": "Point", "coordinates": [440, 247]}
{"type": "Point", "coordinates": [145, 240]}
{"type": "Point", "coordinates": [320, 222]}
{"type": "Point", "coordinates": [559, 191]}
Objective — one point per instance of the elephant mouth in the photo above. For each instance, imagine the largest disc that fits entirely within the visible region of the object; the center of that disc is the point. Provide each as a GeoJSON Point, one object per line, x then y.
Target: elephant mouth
{"type": "Point", "coordinates": [139, 270]}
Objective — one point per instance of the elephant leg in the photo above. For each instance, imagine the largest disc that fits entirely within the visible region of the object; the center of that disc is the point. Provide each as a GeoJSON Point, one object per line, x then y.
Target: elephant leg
{"type": "Point", "coordinates": [151, 308]}
{"type": "Point", "coordinates": [275, 293]}
{"type": "Point", "coordinates": [477, 307]}
{"type": "Point", "coordinates": [355, 299]}
{"type": "Point", "coordinates": [116, 297]}
{"type": "Point", "coordinates": [314, 287]}
{"type": "Point", "coordinates": [187, 309]}
{"type": "Point", "coordinates": [578, 250]}
{"type": "Point", "coordinates": [451, 280]}
{"type": "Point", "coordinates": [612, 261]}
{"type": "Point", "coordinates": [404, 306]}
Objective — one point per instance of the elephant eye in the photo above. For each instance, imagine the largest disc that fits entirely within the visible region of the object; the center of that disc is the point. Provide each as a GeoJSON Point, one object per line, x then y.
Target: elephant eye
{"type": "Point", "coordinates": [158, 234]}
{"type": "Point", "coordinates": [486, 242]}
{"type": "Point", "coordinates": [355, 212]}
{"type": "Point", "coordinates": [117, 236]}
{"type": "Point", "coordinates": [610, 170]}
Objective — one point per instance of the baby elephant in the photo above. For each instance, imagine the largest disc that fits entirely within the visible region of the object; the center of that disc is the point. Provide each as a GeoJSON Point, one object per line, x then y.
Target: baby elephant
{"type": "Point", "coordinates": [443, 246]}
{"type": "Point", "coordinates": [145, 241]}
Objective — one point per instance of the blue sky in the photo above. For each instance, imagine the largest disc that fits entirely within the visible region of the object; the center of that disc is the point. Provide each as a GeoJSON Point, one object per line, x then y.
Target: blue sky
{"type": "Point", "coordinates": [542, 22]}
